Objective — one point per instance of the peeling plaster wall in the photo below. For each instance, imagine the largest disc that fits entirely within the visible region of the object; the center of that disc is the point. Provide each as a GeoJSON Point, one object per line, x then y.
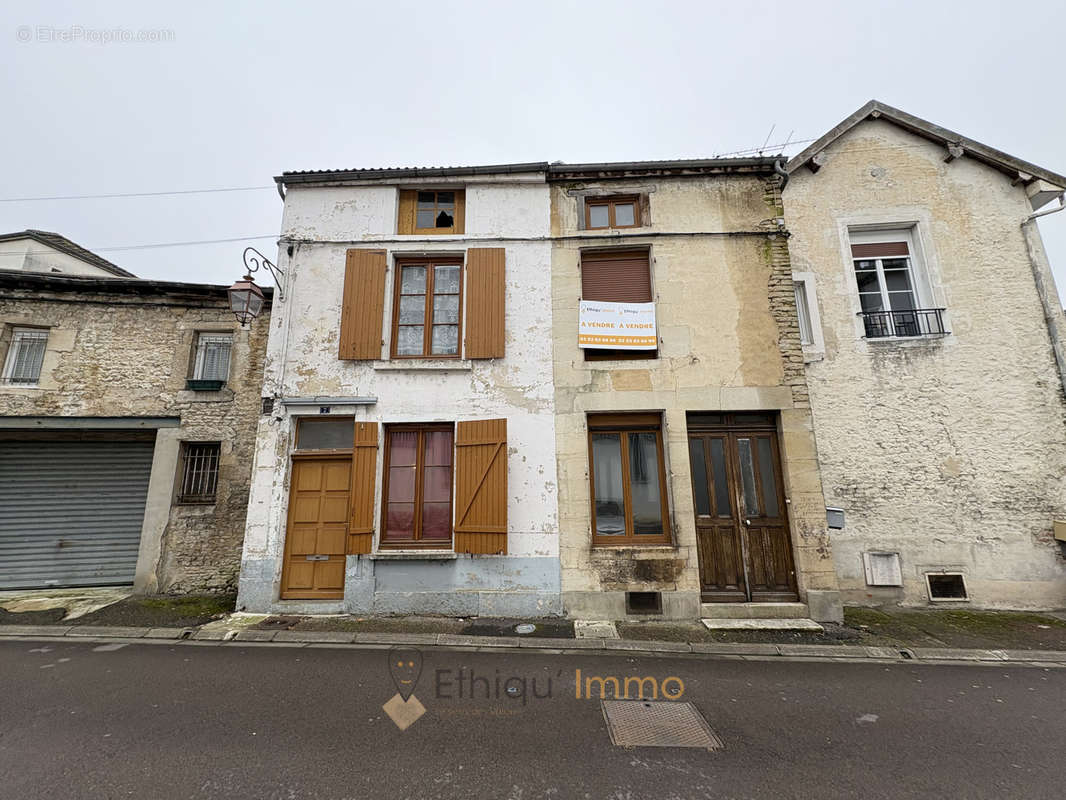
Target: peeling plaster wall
{"type": "Point", "coordinates": [303, 362]}
{"type": "Point", "coordinates": [950, 451]}
{"type": "Point", "coordinates": [729, 340]}
{"type": "Point", "coordinates": [122, 357]}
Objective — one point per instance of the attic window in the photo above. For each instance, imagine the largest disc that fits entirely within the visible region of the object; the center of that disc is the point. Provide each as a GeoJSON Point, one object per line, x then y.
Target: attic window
{"type": "Point", "coordinates": [436, 210]}
{"type": "Point", "coordinates": [431, 211]}
{"type": "Point", "coordinates": [612, 212]}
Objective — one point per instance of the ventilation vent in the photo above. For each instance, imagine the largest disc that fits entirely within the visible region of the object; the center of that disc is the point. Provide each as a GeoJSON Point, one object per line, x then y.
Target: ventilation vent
{"type": "Point", "coordinates": [644, 602]}
{"type": "Point", "coordinates": [946, 586]}
{"type": "Point", "coordinates": [882, 569]}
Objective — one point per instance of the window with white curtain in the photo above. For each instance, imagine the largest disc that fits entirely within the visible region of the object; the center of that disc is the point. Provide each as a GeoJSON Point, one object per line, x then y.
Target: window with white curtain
{"type": "Point", "coordinates": [212, 356]}
{"type": "Point", "coordinates": [25, 356]}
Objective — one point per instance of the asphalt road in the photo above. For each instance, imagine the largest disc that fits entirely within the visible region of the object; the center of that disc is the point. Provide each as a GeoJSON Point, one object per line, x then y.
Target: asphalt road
{"type": "Point", "coordinates": [180, 720]}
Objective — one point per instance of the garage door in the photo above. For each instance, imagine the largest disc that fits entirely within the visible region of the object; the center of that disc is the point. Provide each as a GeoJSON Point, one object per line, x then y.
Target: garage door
{"type": "Point", "coordinates": [71, 512]}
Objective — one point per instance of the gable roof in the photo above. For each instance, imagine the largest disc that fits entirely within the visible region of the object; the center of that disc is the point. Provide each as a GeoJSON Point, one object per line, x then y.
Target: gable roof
{"type": "Point", "coordinates": [64, 245]}
{"type": "Point", "coordinates": [875, 109]}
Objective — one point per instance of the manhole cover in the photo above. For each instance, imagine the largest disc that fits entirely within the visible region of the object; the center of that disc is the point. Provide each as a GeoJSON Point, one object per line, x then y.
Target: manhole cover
{"type": "Point", "coordinates": [653, 723]}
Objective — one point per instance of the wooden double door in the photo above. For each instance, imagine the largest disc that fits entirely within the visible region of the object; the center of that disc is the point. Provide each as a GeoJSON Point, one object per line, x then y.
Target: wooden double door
{"type": "Point", "coordinates": [743, 541]}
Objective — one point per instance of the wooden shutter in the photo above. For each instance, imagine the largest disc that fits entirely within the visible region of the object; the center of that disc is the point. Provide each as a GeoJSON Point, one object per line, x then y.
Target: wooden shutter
{"type": "Point", "coordinates": [879, 250]}
{"type": "Point", "coordinates": [460, 211]}
{"type": "Point", "coordinates": [485, 302]}
{"type": "Point", "coordinates": [481, 486]}
{"type": "Point", "coordinates": [361, 502]}
{"type": "Point", "coordinates": [363, 306]}
{"type": "Point", "coordinates": [616, 277]}
{"type": "Point", "coordinates": [405, 222]}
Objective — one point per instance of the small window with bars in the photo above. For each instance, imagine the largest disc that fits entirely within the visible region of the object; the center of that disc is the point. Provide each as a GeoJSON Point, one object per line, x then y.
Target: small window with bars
{"type": "Point", "coordinates": [25, 356]}
{"type": "Point", "coordinates": [212, 356]}
{"type": "Point", "coordinates": [199, 472]}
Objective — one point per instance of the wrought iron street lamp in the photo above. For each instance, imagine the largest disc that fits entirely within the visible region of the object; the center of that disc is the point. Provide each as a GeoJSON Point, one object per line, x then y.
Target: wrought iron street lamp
{"type": "Point", "coordinates": [245, 300]}
{"type": "Point", "coordinates": [245, 297]}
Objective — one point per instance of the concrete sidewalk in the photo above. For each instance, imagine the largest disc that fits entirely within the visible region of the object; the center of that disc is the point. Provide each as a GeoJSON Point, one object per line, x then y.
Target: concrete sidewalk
{"type": "Point", "coordinates": [220, 635]}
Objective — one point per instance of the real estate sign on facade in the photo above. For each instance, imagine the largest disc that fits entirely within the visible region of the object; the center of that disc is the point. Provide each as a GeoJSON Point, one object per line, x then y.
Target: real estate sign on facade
{"type": "Point", "coordinates": [617, 326]}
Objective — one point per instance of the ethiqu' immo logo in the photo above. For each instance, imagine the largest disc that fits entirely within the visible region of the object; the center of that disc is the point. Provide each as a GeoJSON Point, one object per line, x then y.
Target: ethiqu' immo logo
{"type": "Point", "coordinates": [405, 667]}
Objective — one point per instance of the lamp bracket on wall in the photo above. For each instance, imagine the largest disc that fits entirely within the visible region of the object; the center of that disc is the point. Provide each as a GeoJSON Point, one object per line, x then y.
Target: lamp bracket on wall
{"type": "Point", "coordinates": [254, 261]}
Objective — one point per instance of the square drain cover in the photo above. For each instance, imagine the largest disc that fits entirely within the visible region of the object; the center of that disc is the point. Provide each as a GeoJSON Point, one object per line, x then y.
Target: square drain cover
{"type": "Point", "coordinates": [654, 723]}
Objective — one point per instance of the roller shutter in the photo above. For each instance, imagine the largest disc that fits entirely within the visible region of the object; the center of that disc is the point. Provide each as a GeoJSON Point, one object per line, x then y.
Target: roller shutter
{"type": "Point", "coordinates": [71, 512]}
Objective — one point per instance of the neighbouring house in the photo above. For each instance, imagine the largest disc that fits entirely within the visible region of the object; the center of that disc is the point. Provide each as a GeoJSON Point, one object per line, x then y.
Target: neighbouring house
{"type": "Point", "coordinates": [933, 336]}
{"type": "Point", "coordinates": [688, 474]}
{"type": "Point", "coordinates": [44, 251]}
{"type": "Point", "coordinates": [408, 465]}
{"type": "Point", "coordinates": [128, 413]}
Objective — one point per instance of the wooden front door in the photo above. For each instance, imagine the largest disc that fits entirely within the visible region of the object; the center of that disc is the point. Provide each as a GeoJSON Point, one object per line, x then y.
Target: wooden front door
{"type": "Point", "coordinates": [742, 536]}
{"type": "Point", "coordinates": [318, 527]}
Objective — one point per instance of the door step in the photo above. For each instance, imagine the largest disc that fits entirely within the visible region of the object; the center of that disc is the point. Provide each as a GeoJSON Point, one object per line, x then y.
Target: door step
{"type": "Point", "coordinates": [792, 624]}
{"type": "Point", "coordinates": [754, 610]}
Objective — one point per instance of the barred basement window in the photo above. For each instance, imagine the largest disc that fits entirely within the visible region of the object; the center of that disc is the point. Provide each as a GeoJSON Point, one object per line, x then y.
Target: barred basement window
{"type": "Point", "coordinates": [25, 356]}
{"type": "Point", "coordinates": [199, 472]}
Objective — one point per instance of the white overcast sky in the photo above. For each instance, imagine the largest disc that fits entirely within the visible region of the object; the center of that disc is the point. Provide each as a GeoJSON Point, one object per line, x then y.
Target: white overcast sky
{"type": "Point", "coordinates": [240, 92]}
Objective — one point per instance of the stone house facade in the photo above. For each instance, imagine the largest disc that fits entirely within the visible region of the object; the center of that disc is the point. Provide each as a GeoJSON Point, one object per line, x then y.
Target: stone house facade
{"type": "Point", "coordinates": [409, 462]}
{"type": "Point", "coordinates": [727, 387]}
{"type": "Point", "coordinates": [128, 413]}
{"type": "Point", "coordinates": [935, 362]}
{"type": "Point", "coordinates": [688, 475]}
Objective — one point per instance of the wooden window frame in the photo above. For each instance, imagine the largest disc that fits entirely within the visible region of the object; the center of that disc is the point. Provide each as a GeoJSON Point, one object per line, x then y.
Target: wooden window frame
{"type": "Point", "coordinates": [624, 424]}
{"type": "Point", "coordinates": [460, 199]}
{"type": "Point", "coordinates": [203, 499]}
{"type": "Point", "coordinates": [611, 202]}
{"type": "Point", "coordinates": [427, 318]}
{"type": "Point", "coordinates": [416, 543]}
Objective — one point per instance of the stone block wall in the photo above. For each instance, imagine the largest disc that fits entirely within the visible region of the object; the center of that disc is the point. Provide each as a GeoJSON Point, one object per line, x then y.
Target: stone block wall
{"type": "Point", "coordinates": [124, 355]}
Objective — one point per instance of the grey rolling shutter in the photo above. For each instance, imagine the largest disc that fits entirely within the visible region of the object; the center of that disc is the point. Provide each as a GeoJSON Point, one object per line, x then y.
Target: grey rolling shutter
{"type": "Point", "coordinates": [71, 512]}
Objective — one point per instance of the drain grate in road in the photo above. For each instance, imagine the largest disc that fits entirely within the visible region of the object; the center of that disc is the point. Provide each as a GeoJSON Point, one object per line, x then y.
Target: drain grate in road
{"type": "Point", "coordinates": [653, 723]}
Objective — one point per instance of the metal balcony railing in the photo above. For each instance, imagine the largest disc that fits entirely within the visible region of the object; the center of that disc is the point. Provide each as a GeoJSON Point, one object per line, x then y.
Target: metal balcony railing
{"type": "Point", "coordinates": [913, 322]}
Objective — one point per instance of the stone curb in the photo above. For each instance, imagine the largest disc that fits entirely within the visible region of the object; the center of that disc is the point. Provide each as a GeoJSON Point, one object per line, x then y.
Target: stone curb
{"type": "Point", "coordinates": [928, 655]}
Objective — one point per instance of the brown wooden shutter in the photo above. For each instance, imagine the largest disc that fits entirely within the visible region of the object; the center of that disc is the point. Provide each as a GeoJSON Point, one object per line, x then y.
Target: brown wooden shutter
{"type": "Point", "coordinates": [361, 499]}
{"type": "Point", "coordinates": [363, 306]}
{"type": "Point", "coordinates": [485, 303]}
{"type": "Point", "coordinates": [405, 221]}
{"type": "Point", "coordinates": [481, 486]}
{"type": "Point", "coordinates": [879, 250]}
{"type": "Point", "coordinates": [460, 211]}
{"type": "Point", "coordinates": [616, 277]}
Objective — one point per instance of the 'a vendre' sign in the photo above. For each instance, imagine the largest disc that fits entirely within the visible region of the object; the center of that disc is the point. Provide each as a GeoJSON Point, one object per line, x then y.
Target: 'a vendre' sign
{"type": "Point", "coordinates": [617, 326]}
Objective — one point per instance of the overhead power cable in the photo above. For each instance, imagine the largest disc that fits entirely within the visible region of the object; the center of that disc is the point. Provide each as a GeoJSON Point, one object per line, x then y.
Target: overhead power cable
{"type": "Point", "coordinates": [135, 194]}
{"type": "Point", "coordinates": [161, 244]}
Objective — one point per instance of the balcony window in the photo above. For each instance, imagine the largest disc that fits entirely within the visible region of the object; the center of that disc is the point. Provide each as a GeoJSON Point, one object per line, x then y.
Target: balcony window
{"type": "Point", "coordinates": [891, 287]}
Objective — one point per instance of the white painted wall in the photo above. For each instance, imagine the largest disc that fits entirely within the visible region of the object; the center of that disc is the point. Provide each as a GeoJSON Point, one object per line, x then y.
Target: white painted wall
{"type": "Point", "coordinates": [302, 351]}
{"type": "Point", "coordinates": [29, 255]}
{"type": "Point", "coordinates": [951, 451]}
